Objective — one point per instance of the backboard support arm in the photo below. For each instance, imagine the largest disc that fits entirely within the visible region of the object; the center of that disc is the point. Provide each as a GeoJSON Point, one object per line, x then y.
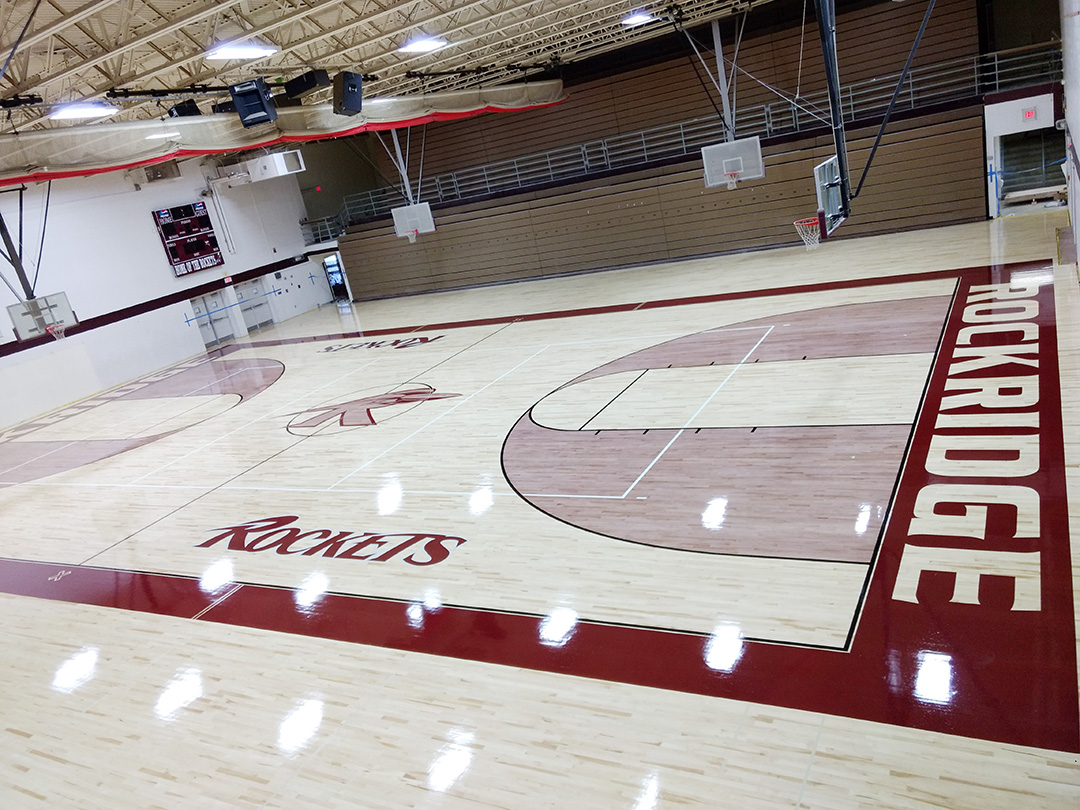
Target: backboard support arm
{"type": "Point", "coordinates": [826, 14]}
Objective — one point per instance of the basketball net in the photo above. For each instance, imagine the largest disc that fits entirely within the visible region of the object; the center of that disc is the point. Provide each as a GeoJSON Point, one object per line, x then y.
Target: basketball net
{"type": "Point", "coordinates": [810, 231]}
{"type": "Point", "coordinates": [57, 330]}
{"type": "Point", "coordinates": [732, 179]}
{"type": "Point", "coordinates": [412, 236]}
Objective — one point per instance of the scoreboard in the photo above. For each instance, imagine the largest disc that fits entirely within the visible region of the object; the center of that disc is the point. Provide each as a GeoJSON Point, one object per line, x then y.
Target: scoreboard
{"type": "Point", "coordinates": [188, 237]}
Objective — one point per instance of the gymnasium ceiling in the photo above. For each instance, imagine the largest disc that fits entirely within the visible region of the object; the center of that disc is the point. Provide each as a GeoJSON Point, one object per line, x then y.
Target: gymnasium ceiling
{"type": "Point", "coordinates": [76, 50]}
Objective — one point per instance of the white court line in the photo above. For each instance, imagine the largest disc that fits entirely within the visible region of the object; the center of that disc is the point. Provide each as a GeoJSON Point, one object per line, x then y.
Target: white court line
{"type": "Point", "coordinates": [699, 410]}
{"type": "Point", "coordinates": [217, 601]}
{"type": "Point", "coordinates": [219, 379]}
{"type": "Point", "coordinates": [213, 487]}
{"type": "Point", "coordinates": [450, 410]}
{"type": "Point", "coordinates": [596, 341]}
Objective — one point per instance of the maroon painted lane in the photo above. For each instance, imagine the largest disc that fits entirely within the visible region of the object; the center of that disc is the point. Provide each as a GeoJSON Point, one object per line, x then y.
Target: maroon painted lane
{"type": "Point", "coordinates": [129, 590]}
{"type": "Point", "coordinates": [967, 625]}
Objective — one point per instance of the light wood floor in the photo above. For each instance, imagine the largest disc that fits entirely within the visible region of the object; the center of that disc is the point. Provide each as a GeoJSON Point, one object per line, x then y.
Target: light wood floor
{"type": "Point", "coordinates": [115, 708]}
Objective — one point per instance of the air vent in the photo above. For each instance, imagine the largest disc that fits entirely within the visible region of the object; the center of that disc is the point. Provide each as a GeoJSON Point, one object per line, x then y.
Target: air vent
{"type": "Point", "coordinates": [169, 170]}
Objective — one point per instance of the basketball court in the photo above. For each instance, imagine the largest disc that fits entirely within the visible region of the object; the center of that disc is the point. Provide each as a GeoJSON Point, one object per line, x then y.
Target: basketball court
{"type": "Point", "coordinates": [786, 528]}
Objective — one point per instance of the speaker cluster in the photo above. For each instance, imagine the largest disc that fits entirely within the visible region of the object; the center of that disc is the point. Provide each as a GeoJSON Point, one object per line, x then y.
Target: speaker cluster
{"type": "Point", "coordinates": [253, 102]}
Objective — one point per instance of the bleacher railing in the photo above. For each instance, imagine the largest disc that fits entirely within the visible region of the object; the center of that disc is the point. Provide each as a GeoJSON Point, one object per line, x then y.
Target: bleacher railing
{"type": "Point", "coordinates": [954, 80]}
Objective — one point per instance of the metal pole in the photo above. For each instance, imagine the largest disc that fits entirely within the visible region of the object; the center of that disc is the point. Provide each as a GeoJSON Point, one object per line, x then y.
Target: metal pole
{"type": "Point", "coordinates": [826, 13]}
{"type": "Point", "coordinates": [721, 74]}
{"type": "Point", "coordinates": [16, 260]}
{"type": "Point", "coordinates": [402, 165]}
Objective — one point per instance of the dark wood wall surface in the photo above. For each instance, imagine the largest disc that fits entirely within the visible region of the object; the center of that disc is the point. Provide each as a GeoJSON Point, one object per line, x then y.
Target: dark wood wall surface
{"type": "Point", "coordinates": [928, 171]}
{"type": "Point", "coordinates": [872, 41]}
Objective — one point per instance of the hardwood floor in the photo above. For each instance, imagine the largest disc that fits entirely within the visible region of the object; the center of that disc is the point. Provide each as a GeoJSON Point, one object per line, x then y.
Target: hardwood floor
{"type": "Point", "coordinates": [752, 531]}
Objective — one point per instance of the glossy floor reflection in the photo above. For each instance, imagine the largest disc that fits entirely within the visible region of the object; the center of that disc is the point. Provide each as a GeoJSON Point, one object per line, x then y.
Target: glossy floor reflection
{"type": "Point", "coordinates": [574, 543]}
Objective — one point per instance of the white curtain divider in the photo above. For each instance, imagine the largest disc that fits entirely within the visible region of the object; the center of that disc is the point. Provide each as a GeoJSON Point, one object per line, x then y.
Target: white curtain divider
{"type": "Point", "coordinates": [75, 151]}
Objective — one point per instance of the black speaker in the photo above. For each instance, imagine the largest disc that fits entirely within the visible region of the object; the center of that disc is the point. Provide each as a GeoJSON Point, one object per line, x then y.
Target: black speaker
{"type": "Point", "coordinates": [302, 85]}
{"type": "Point", "coordinates": [253, 103]}
{"type": "Point", "coordinates": [185, 108]}
{"type": "Point", "coordinates": [347, 93]}
{"type": "Point", "coordinates": [282, 100]}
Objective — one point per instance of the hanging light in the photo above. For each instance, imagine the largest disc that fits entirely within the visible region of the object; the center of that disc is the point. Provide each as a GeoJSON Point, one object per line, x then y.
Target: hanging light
{"type": "Point", "coordinates": [228, 51]}
{"type": "Point", "coordinates": [423, 44]}
{"type": "Point", "coordinates": [636, 18]}
{"type": "Point", "coordinates": [83, 109]}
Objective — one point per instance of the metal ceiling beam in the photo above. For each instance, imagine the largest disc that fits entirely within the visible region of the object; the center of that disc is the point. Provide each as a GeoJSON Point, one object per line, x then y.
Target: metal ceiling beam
{"type": "Point", "coordinates": [481, 32]}
{"type": "Point", "coordinates": [67, 19]}
{"type": "Point", "coordinates": [145, 39]}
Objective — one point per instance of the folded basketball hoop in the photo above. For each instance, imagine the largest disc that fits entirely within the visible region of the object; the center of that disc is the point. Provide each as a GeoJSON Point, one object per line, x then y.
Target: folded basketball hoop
{"type": "Point", "coordinates": [57, 330]}
{"type": "Point", "coordinates": [810, 231]}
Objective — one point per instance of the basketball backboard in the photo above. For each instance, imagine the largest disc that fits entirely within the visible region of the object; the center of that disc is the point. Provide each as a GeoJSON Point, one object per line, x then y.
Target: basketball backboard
{"type": "Point", "coordinates": [727, 163]}
{"type": "Point", "coordinates": [409, 220]}
{"type": "Point", "coordinates": [33, 317]}
{"type": "Point", "coordinates": [829, 197]}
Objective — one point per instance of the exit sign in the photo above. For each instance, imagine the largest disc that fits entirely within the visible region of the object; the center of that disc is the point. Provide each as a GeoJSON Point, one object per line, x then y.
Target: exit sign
{"type": "Point", "coordinates": [1030, 114]}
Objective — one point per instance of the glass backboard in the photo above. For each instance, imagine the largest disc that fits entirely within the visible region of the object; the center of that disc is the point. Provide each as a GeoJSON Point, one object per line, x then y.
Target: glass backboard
{"type": "Point", "coordinates": [32, 318]}
{"type": "Point", "coordinates": [829, 197]}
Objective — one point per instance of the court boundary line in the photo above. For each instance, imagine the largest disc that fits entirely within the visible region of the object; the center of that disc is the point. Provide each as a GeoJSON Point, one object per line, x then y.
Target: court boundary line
{"type": "Point", "coordinates": [219, 596]}
{"type": "Point", "coordinates": [887, 520]}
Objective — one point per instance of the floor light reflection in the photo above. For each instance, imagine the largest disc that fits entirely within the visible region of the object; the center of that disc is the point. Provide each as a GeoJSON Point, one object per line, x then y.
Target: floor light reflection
{"type": "Point", "coordinates": [713, 516]}
{"type": "Point", "coordinates": [724, 647]}
{"type": "Point", "coordinates": [558, 626]}
{"type": "Point", "coordinates": [300, 725]}
{"type": "Point", "coordinates": [934, 678]}
{"type": "Point", "coordinates": [76, 671]}
{"type": "Point", "coordinates": [451, 762]}
{"type": "Point", "coordinates": [182, 690]}
{"type": "Point", "coordinates": [216, 576]}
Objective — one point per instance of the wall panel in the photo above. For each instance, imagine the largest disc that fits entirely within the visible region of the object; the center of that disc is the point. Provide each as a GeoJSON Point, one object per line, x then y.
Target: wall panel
{"type": "Point", "coordinates": [872, 42]}
{"type": "Point", "coordinates": [928, 171]}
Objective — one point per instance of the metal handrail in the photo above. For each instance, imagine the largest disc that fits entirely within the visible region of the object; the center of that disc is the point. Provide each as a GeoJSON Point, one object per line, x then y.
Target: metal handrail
{"type": "Point", "coordinates": [956, 79]}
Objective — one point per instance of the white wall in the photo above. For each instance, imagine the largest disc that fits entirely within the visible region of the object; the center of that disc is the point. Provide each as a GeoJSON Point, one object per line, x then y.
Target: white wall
{"type": "Point", "coordinates": [298, 289]}
{"type": "Point", "coordinates": [102, 248]}
{"type": "Point", "coordinates": [60, 372]}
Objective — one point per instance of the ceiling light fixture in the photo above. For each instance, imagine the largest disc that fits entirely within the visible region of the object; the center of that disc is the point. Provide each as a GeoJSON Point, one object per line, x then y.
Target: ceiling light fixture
{"type": "Point", "coordinates": [83, 109]}
{"type": "Point", "coordinates": [637, 18]}
{"type": "Point", "coordinates": [240, 50]}
{"type": "Point", "coordinates": [423, 45]}
{"type": "Point", "coordinates": [162, 136]}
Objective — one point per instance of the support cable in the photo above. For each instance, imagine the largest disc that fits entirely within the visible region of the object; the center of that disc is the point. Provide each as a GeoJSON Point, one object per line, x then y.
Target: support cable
{"type": "Point", "coordinates": [375, 166]}
{"type": "Point", "coordinates": [895, 96]}
{"type": "Point", "coordinates": [697, 71]}
{"type": "Point", "coordinates": [18, 41]}
{"type": "Point", "coordinates": [8, 283]}
{"type": "Point", "coordinates": [812, 113]}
